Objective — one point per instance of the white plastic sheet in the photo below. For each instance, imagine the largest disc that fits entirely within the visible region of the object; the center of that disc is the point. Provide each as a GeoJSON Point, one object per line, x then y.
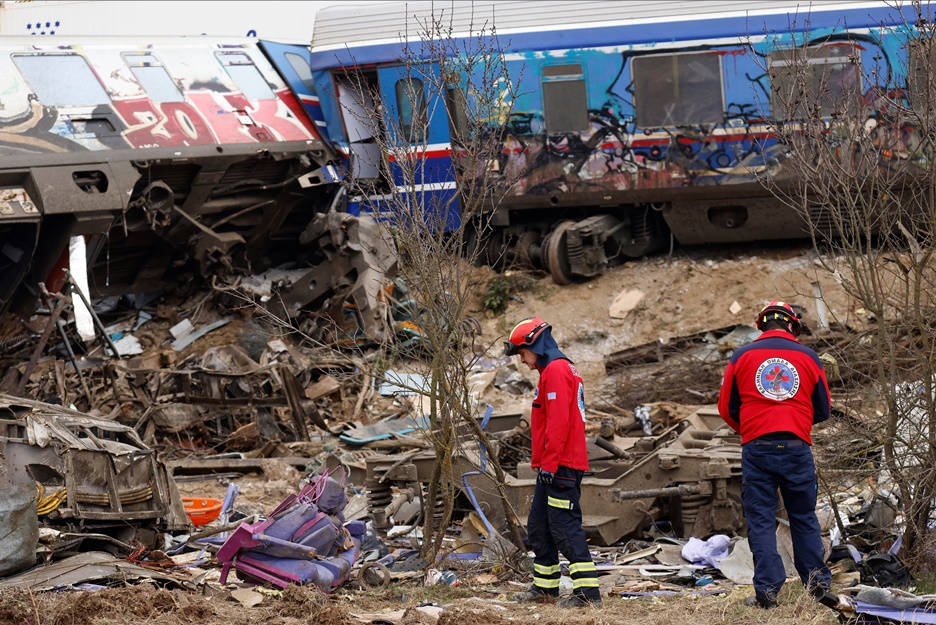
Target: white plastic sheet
{"type": "Point", "coordinates": [78, 266]}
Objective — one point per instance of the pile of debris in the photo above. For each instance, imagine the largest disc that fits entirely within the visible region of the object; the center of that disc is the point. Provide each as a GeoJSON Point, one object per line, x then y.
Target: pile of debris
{"type": "Point", "coordinates": [179, 392]}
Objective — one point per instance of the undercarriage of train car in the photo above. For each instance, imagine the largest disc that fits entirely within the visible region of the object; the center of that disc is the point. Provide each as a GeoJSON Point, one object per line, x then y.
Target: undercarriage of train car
{"type": "Point", "coordinates": [208, 215]}
{"type": "Point", "coordinates": [579, 243]}
{"type": "Point", "coordinates": [687, 474]}
{"type": "Point", "coordinates": [575, 242]}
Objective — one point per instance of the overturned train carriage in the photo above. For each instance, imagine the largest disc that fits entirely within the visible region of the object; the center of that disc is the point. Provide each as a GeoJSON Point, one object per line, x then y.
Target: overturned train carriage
{"type": "Point", "coordinates": [171, 157]}
{"type": "Point", "coordinates": [633, 124]}
{"type": "Point", "coordinates": [688, 475]}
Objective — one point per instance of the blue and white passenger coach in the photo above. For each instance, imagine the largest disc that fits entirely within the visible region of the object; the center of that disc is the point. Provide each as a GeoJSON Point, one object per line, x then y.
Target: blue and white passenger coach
{"type": "Point", "coordinates": [635, 121]}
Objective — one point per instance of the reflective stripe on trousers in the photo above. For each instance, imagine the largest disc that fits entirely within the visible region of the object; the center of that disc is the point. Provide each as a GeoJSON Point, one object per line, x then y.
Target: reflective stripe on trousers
{"type": "Point", "coordinates": [554, 526]}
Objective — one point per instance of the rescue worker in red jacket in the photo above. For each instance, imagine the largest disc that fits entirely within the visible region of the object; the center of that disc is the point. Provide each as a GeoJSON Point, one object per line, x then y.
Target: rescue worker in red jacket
{"type": "Point", "coordinates": [557, 424]}
{"type": "Point", "coordinates": [773, 392]}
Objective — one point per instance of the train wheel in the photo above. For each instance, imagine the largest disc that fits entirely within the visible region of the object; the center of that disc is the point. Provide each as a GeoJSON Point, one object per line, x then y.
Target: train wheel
{"type": "Point", "coordinates": [557, 254]}
{"type": "Point", "coordinates": [529, 250]}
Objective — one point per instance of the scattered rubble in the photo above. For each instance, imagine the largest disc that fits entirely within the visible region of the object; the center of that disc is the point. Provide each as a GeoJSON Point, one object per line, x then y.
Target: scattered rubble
{"type": "Point", "coordinates": [206, 397]}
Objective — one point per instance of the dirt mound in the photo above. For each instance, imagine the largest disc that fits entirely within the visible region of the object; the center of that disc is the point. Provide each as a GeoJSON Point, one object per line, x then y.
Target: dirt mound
{"type": "Point", "coordinates": [139, 603]}
{"type": "Point", "coordinates": [472, 616]}
{"type": "Point", "coordinates": [690, 291]}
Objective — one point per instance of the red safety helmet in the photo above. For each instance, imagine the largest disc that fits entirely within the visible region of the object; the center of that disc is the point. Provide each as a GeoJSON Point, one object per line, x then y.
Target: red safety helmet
{"type": "Point", "coordinates": [524, 334]}
{"type": "Point", "coordinates": [780, 311]}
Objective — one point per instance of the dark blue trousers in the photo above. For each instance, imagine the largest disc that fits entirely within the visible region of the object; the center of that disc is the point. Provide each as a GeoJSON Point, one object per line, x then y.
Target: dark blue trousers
{"type": "Point", "coordinates": [764, 469]}
{"type": "Point", "coordinates": [554, 525]}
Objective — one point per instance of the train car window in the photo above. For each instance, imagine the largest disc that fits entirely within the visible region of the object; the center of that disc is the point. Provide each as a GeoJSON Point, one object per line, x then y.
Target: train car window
{"type": "Point", "coordinates": [456, 103]}
{"type": "Point", "coordinates": [62, 79]}
{"type": "Point", "coordinates": [153, 77]}
{"type": "Point", "coordinates": [301, 65]}
{"type": "Point", "coordinates": [678, 89]}
{"type": "Point", "coordinates": [240, 67]}
{"type": "Point", "coordinates": [921, 79]}
{"type": "Point", "coordinates": [565, 100]}
{"type": "Point", "coordinates": [830, 72]}
{"type": "Point", "coordinates": [412, 107]}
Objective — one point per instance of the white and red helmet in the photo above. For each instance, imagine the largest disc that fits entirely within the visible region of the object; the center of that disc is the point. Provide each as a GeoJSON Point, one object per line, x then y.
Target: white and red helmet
{"type": "Point", "coordinates": [524, 334]}
{"type": "Point", "coordinates": [781, 311]}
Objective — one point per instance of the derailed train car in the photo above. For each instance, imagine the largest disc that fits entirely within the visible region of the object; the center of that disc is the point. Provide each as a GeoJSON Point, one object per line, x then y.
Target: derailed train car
{"type": "Point", "coordinates": [634, 122]}
{"type": "Point", "coordinates": [170, 156]}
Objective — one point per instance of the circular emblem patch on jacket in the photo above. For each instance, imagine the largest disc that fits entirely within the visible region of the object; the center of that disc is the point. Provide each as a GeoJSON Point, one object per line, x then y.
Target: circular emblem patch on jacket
{"type": "Point", "coordinates": [581, 400]}
{"type": "Point", "coordinates": [777, 379]}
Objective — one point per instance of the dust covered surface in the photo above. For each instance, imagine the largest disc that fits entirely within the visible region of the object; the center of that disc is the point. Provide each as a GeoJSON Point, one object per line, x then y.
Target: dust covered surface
{"type": "Point", "coordinates": [146, 604]}
{"type": "Point", "coordinates": [689, 291]}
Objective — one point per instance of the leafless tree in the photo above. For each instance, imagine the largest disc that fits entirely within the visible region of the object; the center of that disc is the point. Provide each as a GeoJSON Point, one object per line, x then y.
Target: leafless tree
{"type": "Point", "coordinates": [855, 128]}
{"type": "Point", "coordinates": [435, 210]}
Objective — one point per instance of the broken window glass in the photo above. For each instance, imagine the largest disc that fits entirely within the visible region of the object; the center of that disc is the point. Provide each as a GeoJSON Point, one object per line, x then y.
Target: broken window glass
{"type": "Point", "coordinates": [153, 77]}
{"type": "Point", "coordinates": [62, 79]}
{"type": "Point", "coordinates": [240, 67]}
{"type": "Point", "coordinates": [817, 79]}
{"type": "Point", "coordinates": [565, 99]}
{"type": "Point", "coordinates": [678, 89]}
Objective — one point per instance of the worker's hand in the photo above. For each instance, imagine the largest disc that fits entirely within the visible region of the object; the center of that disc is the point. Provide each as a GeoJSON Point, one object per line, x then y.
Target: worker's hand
{"type": "Point", "coordinates": [545, 477]}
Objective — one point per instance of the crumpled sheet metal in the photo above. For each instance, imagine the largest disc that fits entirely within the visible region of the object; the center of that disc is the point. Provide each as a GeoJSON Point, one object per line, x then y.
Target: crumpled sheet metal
{"type": "Point", "coordinates": [107, 471]}
{"type": "Point", "coordinates": [359, 258]}
{"type": "Point", "coordinates": [92, 566]}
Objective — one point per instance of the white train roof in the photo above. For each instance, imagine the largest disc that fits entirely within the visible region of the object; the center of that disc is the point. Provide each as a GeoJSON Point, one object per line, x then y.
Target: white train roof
{"type": "Point", "coordinates": [353, 24]}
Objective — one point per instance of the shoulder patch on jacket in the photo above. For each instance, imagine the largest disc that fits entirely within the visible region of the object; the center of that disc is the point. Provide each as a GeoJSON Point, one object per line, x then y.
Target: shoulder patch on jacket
{"type": "Point", "coordinates": [581, 400]}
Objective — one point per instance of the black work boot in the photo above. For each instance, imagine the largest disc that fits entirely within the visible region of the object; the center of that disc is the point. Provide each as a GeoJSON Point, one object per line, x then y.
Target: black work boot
{"type": "Point", "coordinates": [534, 594]}
{"type": "Point", "coordinates": [755, 601]}
{"type": "Point", "coordinates": [576, 600]}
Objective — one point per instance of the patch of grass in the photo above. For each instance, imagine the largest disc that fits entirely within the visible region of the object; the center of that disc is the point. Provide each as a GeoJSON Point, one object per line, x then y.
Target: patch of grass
{"type": "Point", "coordinates": [926, 584]}
{"type": "Point", "coordinates": [441, 593]}
{"type": "Point", "coordinates": [497, 293]}
{"type": "Point", "coordinates": [503, 287]}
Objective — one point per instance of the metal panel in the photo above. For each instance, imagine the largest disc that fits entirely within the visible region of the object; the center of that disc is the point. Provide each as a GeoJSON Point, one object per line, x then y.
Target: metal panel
{"type": "Point", "coordinates": [343, 25]}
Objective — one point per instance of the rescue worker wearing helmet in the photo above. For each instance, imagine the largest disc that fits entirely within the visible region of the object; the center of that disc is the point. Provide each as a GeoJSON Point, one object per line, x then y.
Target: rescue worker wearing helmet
{"type": "Point", "coordinates": [773, 392]}
{"type": "Point", "coordinates": [557, 424]}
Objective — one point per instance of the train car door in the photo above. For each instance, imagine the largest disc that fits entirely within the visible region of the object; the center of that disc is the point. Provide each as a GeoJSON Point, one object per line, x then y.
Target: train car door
{"type": "Point", "coordinates": [417, 111]}
{"type": "Point", "coordinates": [292, 62]}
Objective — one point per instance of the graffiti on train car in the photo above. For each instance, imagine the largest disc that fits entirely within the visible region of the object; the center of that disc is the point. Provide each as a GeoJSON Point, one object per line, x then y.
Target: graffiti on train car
{"type": "Point", "coordinates": [657, 140]}
{"type": "Point", "coordinates": [173, 158]}
{"type": "Point", "coordinates": [56, 98]}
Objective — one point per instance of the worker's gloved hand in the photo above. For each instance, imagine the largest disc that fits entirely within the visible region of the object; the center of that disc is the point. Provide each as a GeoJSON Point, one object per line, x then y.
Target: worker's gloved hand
{"type": "Point", "coordinates": [545, 477]}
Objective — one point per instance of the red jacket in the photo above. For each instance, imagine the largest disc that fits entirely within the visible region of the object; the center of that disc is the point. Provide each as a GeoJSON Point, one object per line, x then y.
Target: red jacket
{"type": "Point", "coordinates": [557, 422]}
{"type": "Point", "coordinates": [774, 384]}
